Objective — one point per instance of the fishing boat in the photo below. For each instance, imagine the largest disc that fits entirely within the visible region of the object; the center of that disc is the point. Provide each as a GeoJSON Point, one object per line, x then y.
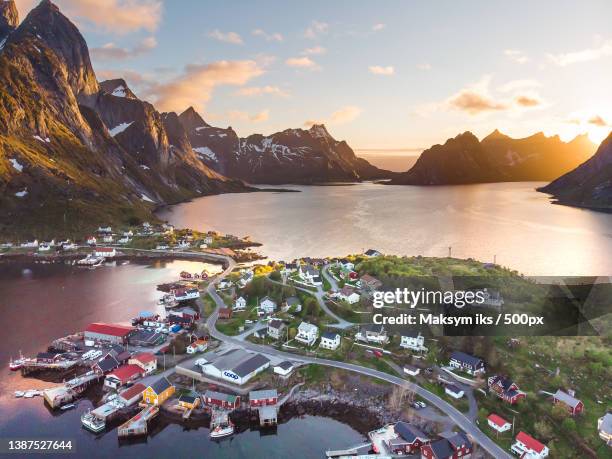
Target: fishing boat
{"type": "Point", "coordinates": [19, 393]}
{"type": "Point", "coordinates": [222, 431]}
{"type": "Point", "coordinates": [15, 365]}
{"type": "Point", "coordinates": [68, 406]}
{"type": "Point", "coordinates": [92, 423]}
{"type": "Point", "coordinates": [31, 393]}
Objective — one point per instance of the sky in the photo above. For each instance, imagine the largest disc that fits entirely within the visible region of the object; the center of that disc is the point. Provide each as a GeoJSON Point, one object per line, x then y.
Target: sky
{"type": "Point", "coordinates": [382, 75]}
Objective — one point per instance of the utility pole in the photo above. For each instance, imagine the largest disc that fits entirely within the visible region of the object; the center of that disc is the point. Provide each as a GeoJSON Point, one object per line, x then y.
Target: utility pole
{"type": "Point", "coordinates": [494, 259]}
{"type": "Point", "coordinates": [450, 249]}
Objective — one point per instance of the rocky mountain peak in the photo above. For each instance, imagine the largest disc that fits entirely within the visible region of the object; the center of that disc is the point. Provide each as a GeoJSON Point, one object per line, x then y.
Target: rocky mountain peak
{"type": "Point", "coordinates": [192, 119]}
{"type": "Point", "coordinates": [319, 130]}
{"type": "Point", "coordinates": [495, 135]}
{"type": "Point", "coordinates": [9, 18]}
{"type": "Point", "coordinates": [49, 27]}
{"type": "Point", "coordinates": [118, 88]}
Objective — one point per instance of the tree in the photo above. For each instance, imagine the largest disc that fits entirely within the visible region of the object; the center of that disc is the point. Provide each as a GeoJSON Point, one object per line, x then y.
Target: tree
{"type": "Point", "coordinates": [559, 411]}
{"type": "Point", "coordinates": [569, 425]}
{"type": "Point", "coordinates": [543, 429]}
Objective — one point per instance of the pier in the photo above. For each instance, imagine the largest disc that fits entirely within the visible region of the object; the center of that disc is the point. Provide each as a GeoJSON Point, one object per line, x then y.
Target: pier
{"type": "Point", "coordinates": [361, 450]}
{"type": "Point", "coordinates": [57, 396]}
{"type": "Point", "coordinates": [138, 425]}
{"type": "Point", "coordinates": [32, 365]}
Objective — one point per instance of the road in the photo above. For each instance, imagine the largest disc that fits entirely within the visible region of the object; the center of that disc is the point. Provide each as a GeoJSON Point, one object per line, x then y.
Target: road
{"type": "Point", "coordinates": [455, 415]}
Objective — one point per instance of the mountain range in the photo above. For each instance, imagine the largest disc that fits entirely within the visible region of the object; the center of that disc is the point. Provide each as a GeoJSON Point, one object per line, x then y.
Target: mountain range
{"type": "Point", "coordinates": [81, 152]}
{"type": "Point", "coordinates": [590, 184]}
{"type": "Point", "coordinates": [497, 158]}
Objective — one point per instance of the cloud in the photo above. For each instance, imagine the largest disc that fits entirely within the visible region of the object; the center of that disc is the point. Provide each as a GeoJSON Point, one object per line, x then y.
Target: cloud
{"type": "Point", "coordinates": [424, 66]}
{"type": "Point", "coordinates": [527, 101]}
{"type": "Point", "coordinates": [302, 62]}
{"type": "Point", "coordinates": [585, 55]}
{"type": "Point", "coordinates": [267, 36]}
{"type": "Point", "coordinates": [314, 51]}
{"type": "Point", "coordinates": [597, 120]}
{"type": "Point", "coordinates": [197, 82]}
{"type": "Point", "coordinates": [516, 55]}
{"type": "Point", "coordinates": [316, 29]}
{"type": "Point", "coordinates": [378, 27]}
{"type": "Point", "coordinates": [226, 37]}
{"type": "Point", "coordinates": [114, 16]}
{"type": "Point", "coordinates": [244, 116]}
{"type": "Point", "coordinates": [340, 116]}
{"type": "Point", "coordinates": [474, 103]}
{"type": "Point", "coordinates": [378, 70]}
{"type": "Point", "coordinates": [261, 90]}
{"type": "Point", "coordinates": [111, 52]}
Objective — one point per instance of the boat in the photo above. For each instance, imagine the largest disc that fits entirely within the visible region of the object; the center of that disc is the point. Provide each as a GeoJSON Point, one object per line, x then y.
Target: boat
{"type": "Point", "coordinates": [19, 393]}
{"type": "Point", "coordinates": [30, 393]}
{"type": "Point", "coordinates": [92, 423]}
{"type": "Point", "coordinates": [67, 406]}
{"type": "Point", "coordinates": [222, 431]}
{"type": "Point", "coordinates": [15, 365]}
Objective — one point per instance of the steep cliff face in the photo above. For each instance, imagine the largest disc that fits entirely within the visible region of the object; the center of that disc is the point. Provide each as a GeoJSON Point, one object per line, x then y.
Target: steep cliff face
{"type": "Point", "coordinates": [497, 158]}
{"type": "Point", "coordinates": [73, 152]}
{"type": "Point", "coordinates": [9, 19]}
{"type": "Point", "coordinates": [590, 184]}
{"type": "Point", "coordinates": [290, 156]}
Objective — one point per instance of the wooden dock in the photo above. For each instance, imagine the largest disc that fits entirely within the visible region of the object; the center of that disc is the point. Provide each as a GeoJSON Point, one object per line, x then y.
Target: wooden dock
{"type": "Point", "coordinates": [138, 425]}
{"type": "Point", "coordinates": [32, 365]}
{"type": "Point", "coordinates": [58, 396]}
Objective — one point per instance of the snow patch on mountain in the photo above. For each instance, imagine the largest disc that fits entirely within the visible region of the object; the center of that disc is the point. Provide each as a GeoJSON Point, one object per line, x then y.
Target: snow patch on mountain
{"type": "Point", "coordinates": [16, 165]}
{"type": "Point", "coordinates": [22, 193]}
{"type": "Point", "coordinates": [119, 91]}
{"type": "Point", "coordinates": [119, 129]}
{"type": "Point", "coordinates": [144, 197]}
{"type": "Point", "coordinates": [207, 152]}
{"type": "Point", "coordinates": [45, 140]}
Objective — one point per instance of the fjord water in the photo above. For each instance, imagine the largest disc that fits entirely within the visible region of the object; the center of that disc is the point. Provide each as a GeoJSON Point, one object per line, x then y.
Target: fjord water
{"type": "Point", "coordinates": [509, 221]}
{"type": "Point", "coordinates": [40, 302]}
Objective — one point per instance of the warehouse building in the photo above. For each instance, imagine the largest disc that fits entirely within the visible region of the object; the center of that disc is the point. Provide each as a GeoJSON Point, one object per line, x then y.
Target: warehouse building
{"type": "Point", "coordinates": [236, 366]}
{"type": "Point", "coordinates": [110, 333]}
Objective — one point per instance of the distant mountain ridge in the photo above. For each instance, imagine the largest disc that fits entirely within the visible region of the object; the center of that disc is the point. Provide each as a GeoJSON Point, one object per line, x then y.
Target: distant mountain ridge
{"type": "Point", "coordinates": [497, 158]}
{"type": "Point", "coordinates": [590, 184]}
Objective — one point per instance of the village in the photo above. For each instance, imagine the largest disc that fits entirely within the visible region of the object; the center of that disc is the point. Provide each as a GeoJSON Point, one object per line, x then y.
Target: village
{"type": "Point", "coordinates": [241, 343]}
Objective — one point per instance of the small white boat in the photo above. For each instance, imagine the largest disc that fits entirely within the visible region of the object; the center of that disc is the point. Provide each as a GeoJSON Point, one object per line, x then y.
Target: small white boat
{"type": "Point", "coordinates": [69, 406]}
{"type": "Point", "coordinates": [30, 394]}
{"type": "Point", "coordinates": [222, 431]}
{"type": "Point", "coordinates": [93, 423]}
{"type": "Point", "coordinates": [19, 393]}
{"type": "Point", "coordinates": [15, 365]}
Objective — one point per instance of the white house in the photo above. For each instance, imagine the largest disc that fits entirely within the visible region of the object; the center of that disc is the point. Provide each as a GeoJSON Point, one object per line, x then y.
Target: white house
{"type": "Point", "coordinates": [454, 391]}
{"type": "Point", "coordinates": [105, 229]}
{"type": "Point", "coordinates": [466, 362]}
{"type": "Point", "coordinates": [372, 333]}
{"type": "Point", "coordinates": [372, 253]}
{"type": "Point", "coordinates": [240, 304]}
{"type": "Point", "coordinates": [329, 340]}
{"type": "Point", "coordinates": [44, 247]}
{"type": "Point", "coordinates": [284, 369]}
{"type": "Point", "coordinates": [106, 252]}
{"type": "Point", "coordinates": [276, 329]}
{"type": "Point", "coordinates": [528, 447]}
{"type": "Point", "coordinates": [412, 339]}
{"type": "Point", "coordinates": [29, 244]}
{"type": "Point", "coordinates": [412, 371]}
{"type": "Point", "coordinates": [498, 423]}
{"type": "Point", "coordinates": [107, 238]}
{"type": "Point", "coordinates": [162, 247]}
{"type": "Point", "coordinates": [124, 240]}
{"type": "Point", "coordinates": [292, 302]}
{"type": "Point", "coordinates": [604, 427]}
{"type": "Point", "coordinates": [309, 275]}
{"type": "Point", "coordinates": [307, 333]}
{"type": "Point", "coordinates": [267, 305]}
{"type": "Point", "coordinates": [208, 240]}
{"type": "Point", "coordinates": [348, 294]}
{"type": "Point", "coordinates": [246, 277]}
{"type": "Point", "coordinates": [346, 264]}
{"type": "Point", "coordinates": [224, 284]}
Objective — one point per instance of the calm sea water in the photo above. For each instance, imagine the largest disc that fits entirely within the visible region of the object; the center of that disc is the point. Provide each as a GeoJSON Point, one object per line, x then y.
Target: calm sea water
{"type": "Point", "coordinates": [41, 302]}
{"type": "Point", "coordinates": [509, 221]}
{"type": "Point", "coordinates": [391, 160]}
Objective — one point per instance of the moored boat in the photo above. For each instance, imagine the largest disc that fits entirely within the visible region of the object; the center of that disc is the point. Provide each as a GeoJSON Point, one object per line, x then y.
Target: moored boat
{"type": "Point", "coordinates": [92, 423]}
{"type": "Point", "coordinates": [15, 365]}
{"type": "Point", "coordinates": [222, 431]}
{"type": "Point", "coordinates": [67, 406]}
{"type": "Point", "coordinates": [19, 393]}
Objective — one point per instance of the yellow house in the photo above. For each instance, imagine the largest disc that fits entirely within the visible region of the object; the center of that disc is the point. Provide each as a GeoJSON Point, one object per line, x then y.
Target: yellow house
{"type": "Point", "coordinates": [189, 401]}
{"type": "Point", "coordinates": [158, 392]}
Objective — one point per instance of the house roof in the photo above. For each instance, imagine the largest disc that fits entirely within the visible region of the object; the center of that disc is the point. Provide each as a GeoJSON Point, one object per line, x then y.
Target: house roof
{"type": "Point", "coordinates": [160, 385]}
{"type": "Point", "coordinates": [292, 300]}
{"type": "Point", "coordinates": [105, 249]}
{"type": "Point", "coordinates": [267, 298]}
{"type": "Point", "coordinates": [497, 420]}
{"type": "Point", "coordinates": [566, 398]}
{"type": "Point", "coordinates": [133, 391]}
{"type": "Point", "coordinates": [329, 335]}
{"type": "Point", "coordinates": [126, 372]}
{"type": "Point", "coordinates": [411, 333]}
{"type": "Point", "coordinates": [220, 396]}
{"type": "Point", "coordinates": [373, 328]}
{"type": "Point", "coordinates": [109, 329]}
{"type": "Point", "coordinates": [144, 357]}
{"type": "Point", "coordinates": [108, 363]}
{"type": "Point", "coordinates": [530, 442]}
{"type": "Point", "coordinates": [441, 449]}
{"type": "Point", "coordinates": [276, 323]}
{"type": "Point", "coordinates": [409, 432]}
{"type": "Point", "coordinates": [454, 389]}
{"type": "Point", "coordinates": [458, 440]}
{"type": "Point", "coordinates": [371, 252]}
{"type": "Point", "coordinates": [347, 290]}
{"type": "Point", "coordinates": [188, 398]}
{"type": "Point", "coordinates": [606, 424]}
{"type": "Point", "coordinates": [307, 328]}
{"type": "Point", "coordinates": [466, 358]}
{"type": "Point", "coordinates": [286, 365]}
{"type": "Point", "coordinates": [261, 394]}
{"type": "Point", "coordinates": [370, 279]}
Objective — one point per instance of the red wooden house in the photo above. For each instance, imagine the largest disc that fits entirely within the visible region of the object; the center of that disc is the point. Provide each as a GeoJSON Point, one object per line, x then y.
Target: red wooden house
{"type": "Point", "coordinates": [573, 405]}
{"type": "Point", "coordinates": [409, 439]}
{"type": "Point", "coordinates": [454, 447]}
{"type": "Point", "coordinates": [221, 400]}
{"type": "Point", "coordinates": [263, 398]}
{"type": "Point", "coordinates": [225, 313]}
{"type": "Point", "coordinates": [506, 389]}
